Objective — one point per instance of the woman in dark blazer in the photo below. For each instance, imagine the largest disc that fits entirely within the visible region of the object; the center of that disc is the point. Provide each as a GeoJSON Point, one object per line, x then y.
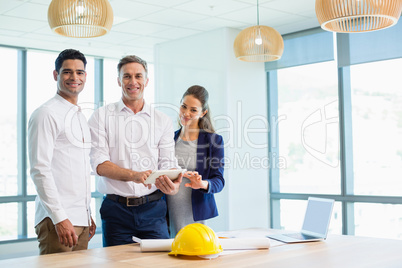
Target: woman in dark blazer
{"type": "Point", "coordinates": [199, 150]}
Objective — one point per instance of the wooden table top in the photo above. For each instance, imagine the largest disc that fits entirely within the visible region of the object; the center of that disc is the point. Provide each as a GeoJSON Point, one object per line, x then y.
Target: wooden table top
{"type": "Point", "coordinates": [336, 251]}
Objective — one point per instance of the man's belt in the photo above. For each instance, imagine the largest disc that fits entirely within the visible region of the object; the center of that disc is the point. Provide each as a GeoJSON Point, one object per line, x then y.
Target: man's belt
{"type": "Point", "coordinates": [136, 201]}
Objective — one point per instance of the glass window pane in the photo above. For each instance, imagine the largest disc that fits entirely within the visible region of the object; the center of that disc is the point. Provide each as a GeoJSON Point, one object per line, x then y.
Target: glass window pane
{"type": "Point", "coordinates": [292, 216]}
{"type": "Point", "coordinates": [93, 183]}
{"type": "Point", "coordinates": [95, 207]}
{"type": "Point", "coordinates": [8, 123]}
{"type": "Point", "coordinates": [31, 219]}
{"type": "Point", "coordinates": [112, 91]}
{"type": "Point", "coordinates": [9, 223]}
{"type": "Point", "coordinates": [308, 129]}
{"type": "Point", "coordinates": [40, 84]}
{"type": "Point", "coordinates": [378, 220]}
{"type": "Point", "coordinates": [377, 128]}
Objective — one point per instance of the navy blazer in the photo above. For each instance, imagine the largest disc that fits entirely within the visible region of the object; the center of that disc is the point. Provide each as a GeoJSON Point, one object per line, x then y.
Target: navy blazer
{"type": "Point", "coordinates": [210, 163]}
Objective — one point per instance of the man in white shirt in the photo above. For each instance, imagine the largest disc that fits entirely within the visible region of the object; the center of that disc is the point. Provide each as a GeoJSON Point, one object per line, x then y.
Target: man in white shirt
{"type": "Point", "coordinates": [129, 140]}
{"type": "Point", "coordinates": [59, 143]}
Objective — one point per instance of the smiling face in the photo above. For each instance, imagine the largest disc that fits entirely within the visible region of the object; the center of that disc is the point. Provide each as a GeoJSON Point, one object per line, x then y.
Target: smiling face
{"type": "Point", "coordinates": [133, 80]}
{"type": "Point", "coordinates": [70, 79]}
{"type": "Point", "coordinates": [191, 111]}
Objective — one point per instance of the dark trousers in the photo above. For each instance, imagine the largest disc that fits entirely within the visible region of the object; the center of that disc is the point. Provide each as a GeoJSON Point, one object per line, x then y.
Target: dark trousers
{"type": "Point", "coordinates": [120, 222]}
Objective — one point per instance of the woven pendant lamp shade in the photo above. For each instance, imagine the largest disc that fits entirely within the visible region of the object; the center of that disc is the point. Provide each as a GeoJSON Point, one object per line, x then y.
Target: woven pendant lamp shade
{"type": "Point", "coordinates": [258, 44]}
{"type": "Point", "coordinates": [352, 16]}
{"type": "Point", "coordinates": [80, 18]}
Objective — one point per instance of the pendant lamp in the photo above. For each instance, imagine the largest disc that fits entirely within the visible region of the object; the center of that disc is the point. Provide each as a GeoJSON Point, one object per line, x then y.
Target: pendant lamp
{"type": "Point", "coordinates": [258, 43]}
{"type": "Point", "coordinates": [80, 18]}
{"type": "Point", "coordinates": [353, 16]}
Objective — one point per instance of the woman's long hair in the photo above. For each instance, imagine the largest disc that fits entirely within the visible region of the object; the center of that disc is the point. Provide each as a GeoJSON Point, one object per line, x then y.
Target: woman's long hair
{"type": "Point", "coordinates": [201, 94]}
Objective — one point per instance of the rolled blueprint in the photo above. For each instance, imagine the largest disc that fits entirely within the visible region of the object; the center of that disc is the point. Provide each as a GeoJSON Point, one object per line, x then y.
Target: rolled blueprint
{"type": "Point", "coordinates": [148, 245]}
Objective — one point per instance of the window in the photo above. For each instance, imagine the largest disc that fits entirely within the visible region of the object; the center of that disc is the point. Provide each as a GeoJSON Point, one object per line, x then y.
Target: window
{"type": "Point", "coordinates": [10, 183]}
{"type": "Point", "coordinates": [9, 224]}
{"type": "Point", "coordinates": [8, 124]}
{"type": "Point", "coordinates": [377, 128]}
{"type": "Point", "coordinates": [292, 215]}
{"type": "Point", "coordinates": [112, 92]}
{"type": "Point", "coordinates": [308, 129]}
{"type": "Point", "coordinates": [378, 220]}
{"type": "Point", "coordinates": [339, 127]}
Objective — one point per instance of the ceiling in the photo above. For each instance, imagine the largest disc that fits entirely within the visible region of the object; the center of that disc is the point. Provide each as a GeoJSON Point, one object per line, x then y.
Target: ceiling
{"type": "Point", "coordinates": [140, 24]}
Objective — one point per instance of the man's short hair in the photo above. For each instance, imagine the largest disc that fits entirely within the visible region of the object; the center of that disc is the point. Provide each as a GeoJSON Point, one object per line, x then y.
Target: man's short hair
{"type": "Point", "coordinates": [69, 54]}
{"type": "Point", "coordinates": [130, 59]}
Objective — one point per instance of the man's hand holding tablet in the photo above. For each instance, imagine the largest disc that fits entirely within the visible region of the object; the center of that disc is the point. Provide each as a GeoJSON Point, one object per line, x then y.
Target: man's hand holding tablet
{"type": "Point", "coordinates": [168, 181]}
{"type": "Point", "coordinates": [170, 173]}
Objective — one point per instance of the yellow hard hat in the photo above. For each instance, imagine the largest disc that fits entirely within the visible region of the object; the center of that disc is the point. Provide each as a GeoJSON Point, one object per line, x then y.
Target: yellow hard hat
{"type": "Point", "coordinates": [196, 239]}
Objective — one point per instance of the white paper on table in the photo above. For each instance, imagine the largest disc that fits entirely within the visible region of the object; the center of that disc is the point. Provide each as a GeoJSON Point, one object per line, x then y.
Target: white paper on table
{"type": "Point", "coordinates": [149, 245]}
{"type": "Point", "coordinates": [251, 233]}
{"type": "Point", "coordinates": [244, 243]}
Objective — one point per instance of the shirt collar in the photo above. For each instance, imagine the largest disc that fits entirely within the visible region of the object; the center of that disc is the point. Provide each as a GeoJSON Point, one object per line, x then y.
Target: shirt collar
{"type": "Point", "coordinates": [67, 103]}
{"type": "Point", "coordinates": [146, 109]}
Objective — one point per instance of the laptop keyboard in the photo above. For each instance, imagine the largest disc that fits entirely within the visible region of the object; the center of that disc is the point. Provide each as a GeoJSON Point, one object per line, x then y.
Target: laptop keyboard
{"type": "Point", "coordinates": [301, 236]}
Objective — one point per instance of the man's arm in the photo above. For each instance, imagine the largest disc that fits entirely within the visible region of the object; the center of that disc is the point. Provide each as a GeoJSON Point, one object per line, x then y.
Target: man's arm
{"type": "Point", "coordinates": [42, 134]}
{"type": "Point", "coordinates": [100, 154]}
{"type": "Point", "coordinates": [66, 233]}
{"type": "Point", "coordinates": [92, 229]}
{"type": "Point", "coordinates": [113, 171]}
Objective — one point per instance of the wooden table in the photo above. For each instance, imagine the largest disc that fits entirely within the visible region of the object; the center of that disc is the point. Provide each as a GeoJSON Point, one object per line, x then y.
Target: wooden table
{"type": "Point", "coordinates": [336, 251]}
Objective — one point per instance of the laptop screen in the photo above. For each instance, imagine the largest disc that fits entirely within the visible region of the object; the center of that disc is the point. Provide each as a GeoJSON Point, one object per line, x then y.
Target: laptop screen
{"type": "Point", "coordinates": [318, 215]}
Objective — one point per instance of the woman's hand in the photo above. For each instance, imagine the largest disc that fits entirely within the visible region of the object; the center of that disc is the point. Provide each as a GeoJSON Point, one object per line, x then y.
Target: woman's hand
{"type": "Point", "coordinates": [196, 181]}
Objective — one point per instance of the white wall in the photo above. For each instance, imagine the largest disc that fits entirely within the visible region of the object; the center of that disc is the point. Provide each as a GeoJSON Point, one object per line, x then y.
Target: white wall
{"type": "Point", "coordinates": [237, 97]}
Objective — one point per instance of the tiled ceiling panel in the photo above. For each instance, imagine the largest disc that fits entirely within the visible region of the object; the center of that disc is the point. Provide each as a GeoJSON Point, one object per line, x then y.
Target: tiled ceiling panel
{"type": "Point", "coordinates": [29, 11]}
{"type": "Point", "coordinates": [172, 17]}
{"type": "Point", "coordinates": [212, 7]}
{"type": "Point", "coordinates": [140, 24]}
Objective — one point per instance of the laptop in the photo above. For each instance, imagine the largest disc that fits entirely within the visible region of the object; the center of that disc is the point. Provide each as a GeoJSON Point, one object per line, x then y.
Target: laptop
{"type": "Point", "coordinates": [315, 224]}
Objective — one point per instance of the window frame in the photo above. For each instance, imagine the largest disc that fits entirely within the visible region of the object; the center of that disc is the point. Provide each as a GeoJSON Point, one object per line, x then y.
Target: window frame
{"type": "Point", "coordinates": [343, 54]}
{"type": "Point", "coordinates": [22, 198]}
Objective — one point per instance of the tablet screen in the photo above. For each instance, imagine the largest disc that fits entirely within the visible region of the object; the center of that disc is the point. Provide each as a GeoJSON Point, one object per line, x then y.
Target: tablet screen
{"type": "Point", "coordinates": [171, 173]}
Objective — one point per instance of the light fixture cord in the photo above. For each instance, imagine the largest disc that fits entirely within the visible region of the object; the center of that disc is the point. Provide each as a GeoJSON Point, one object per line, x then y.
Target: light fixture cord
{"type": "Point", "coordinates": [258, 15]}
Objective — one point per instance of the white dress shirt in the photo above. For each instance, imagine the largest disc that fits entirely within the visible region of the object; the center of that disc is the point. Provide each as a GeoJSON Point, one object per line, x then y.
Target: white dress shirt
{"type": "Point", "coordinates": [59, 143]}
{"type": "Point", "coordinates": [140, 142]}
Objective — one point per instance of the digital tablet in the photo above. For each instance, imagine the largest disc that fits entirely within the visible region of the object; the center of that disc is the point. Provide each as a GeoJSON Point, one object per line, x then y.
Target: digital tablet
{"type": "Point", "coordinates": [171, 173]}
